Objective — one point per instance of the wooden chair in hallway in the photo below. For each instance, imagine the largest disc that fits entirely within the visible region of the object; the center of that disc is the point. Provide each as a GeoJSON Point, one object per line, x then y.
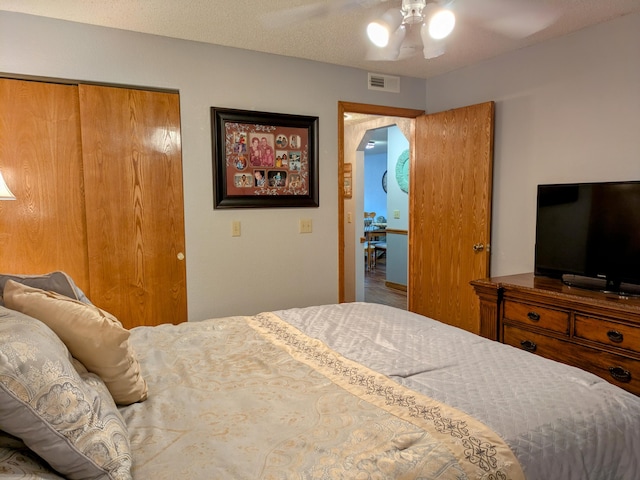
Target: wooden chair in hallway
{"type": "Point", "coordinates": [373, 237]}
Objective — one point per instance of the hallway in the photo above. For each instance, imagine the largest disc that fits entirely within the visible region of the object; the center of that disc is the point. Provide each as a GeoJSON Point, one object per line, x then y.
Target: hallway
{"type": "Point", "coordinates": [375, 290]}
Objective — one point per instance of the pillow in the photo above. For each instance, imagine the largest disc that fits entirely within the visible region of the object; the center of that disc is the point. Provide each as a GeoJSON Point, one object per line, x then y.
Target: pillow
{"type": "Point", "coordinates": [17, 461]}
{"type": "Point", "coordinates": [93, 336]}
{"type": "Point", "coordinates": [58, 282]}
{"type": "Point", "coordinates": [69, 420]}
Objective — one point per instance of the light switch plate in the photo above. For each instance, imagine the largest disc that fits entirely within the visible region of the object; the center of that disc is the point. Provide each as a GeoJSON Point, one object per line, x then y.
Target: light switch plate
{"type": "Point", "coordinates": [235, 228]}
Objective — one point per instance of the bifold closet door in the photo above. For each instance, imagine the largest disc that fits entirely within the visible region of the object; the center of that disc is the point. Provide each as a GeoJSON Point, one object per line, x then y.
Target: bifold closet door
{"type": "Point", "coordinates": [41, 160]}
{"type": "Point", "coordinates": [134, 199]}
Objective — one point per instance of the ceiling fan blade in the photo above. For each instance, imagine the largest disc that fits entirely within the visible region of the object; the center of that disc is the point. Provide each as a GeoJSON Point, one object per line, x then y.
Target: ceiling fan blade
{"type": "Point", "coordinates": [288, 16]}
{"type": "Point", "coordinates": [432, 48]}
{"type": "Point", "coordinates": [511, 18]}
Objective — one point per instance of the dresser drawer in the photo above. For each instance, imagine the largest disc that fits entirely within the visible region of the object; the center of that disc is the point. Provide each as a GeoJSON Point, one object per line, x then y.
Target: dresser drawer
{"type": "Point", "coordinates": [607, 333]}
{"type": "Point", "coordinates": [547, 318]}
{"type": "Point", "coordinates": [539, 344]}
{"type": "Point", "coordinates": [617, 369]}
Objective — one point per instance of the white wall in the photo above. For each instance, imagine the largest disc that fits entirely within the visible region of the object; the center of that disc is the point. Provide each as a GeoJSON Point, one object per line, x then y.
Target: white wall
{"type": "Point", "coordinates": [375, 198]}
{"type": "Point", "coordinates": [397, 244]}
{"type": "Point", "coordinates": [567, 110]}
{"type": "Point", "coordinates": [271, 266]}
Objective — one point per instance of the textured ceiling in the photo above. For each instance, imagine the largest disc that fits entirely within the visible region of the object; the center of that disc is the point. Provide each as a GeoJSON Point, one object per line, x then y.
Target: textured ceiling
{"type": "Point", "coordinates": [337, 38]}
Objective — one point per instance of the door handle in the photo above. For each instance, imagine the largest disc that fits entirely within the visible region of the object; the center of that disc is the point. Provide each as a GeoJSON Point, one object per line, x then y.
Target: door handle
{"type": "Point", "coordinates": [478, 247]}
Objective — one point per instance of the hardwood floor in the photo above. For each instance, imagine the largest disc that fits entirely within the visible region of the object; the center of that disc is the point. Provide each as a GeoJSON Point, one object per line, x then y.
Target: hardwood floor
{"type": "Point", "coordinates": [375, 290]}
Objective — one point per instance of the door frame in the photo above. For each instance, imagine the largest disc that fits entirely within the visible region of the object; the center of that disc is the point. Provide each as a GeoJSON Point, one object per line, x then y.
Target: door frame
{"type": "Point", "coordinates": [368, 109]}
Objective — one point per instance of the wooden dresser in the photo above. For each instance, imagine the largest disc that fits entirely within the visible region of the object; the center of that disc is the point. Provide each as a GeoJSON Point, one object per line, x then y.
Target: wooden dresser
{"type": "Point", "coordinates": [592, 330]}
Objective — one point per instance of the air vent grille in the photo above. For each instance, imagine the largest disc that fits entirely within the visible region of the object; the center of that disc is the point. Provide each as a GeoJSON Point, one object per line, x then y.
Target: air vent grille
{"type": "Point", "coordinates": [385, 83]}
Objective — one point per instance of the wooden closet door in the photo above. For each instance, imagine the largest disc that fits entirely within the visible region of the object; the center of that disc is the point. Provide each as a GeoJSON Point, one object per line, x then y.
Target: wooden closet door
{"type": "Point", "coordinates": [41, 159]}
{"type": "Point", "coordinates": [134, 199]}
{"type": "Point", "coordinates": [450, 213]}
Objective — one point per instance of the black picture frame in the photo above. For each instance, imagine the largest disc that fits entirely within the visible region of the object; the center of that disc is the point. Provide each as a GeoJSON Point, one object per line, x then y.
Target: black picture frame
{"type": "Point", "coordinates": [280, 171]}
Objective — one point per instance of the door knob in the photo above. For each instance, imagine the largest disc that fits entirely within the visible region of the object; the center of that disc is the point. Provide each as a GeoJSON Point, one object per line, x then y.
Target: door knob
{"type": "Point", "coordinates": [478, 247]}
{"type": "Point", "coordinates": [180, 256]}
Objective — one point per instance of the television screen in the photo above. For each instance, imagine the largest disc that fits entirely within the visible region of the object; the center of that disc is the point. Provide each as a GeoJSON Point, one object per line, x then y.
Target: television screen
{"type": "Point", "coordinates": [589, 230]}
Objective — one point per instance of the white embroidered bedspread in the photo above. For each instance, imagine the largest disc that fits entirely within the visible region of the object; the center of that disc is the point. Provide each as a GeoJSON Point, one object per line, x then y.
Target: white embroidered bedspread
{"type": "Point", "coordinates": [254, 398]}
{"type": "Point", "coordinates": [561, 422]}
{"type": "Point", "coordinates": [227, 401]}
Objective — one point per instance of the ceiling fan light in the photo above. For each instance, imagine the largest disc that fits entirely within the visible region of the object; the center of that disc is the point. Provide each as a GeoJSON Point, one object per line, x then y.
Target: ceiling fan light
{"type": "Point", "coordinates": [380, 31]}
{"type": "Point", "coordinates": [441, 24]}
{"type": "Point", "coordinates": [378, 34]}
{"type": "Point", "coordinates": [392, 50]}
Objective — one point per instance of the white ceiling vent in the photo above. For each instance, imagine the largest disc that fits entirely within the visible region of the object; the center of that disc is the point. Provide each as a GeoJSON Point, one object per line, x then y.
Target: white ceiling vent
{"type": "Point", "coordinates": [386, 83]}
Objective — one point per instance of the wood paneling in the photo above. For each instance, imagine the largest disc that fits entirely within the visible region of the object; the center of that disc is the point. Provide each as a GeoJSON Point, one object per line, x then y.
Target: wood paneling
{"type": "Point", "coordinates": [133, 177]}
{"type": "Point", "coordinates": [450, 212]}
{"type": "Point", "coordinates": [41, 160]}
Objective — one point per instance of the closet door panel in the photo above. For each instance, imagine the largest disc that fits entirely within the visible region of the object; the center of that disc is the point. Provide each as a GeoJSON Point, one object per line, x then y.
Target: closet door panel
{"type": "Point", "coordinates": [134, 199]}
{"type": "Point", "coordinates": [41, 160]}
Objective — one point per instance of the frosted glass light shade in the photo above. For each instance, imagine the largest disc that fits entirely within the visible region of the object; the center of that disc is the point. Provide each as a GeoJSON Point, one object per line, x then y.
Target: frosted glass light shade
{"type": "Point", "coordinates": [378, 34]}
{"type": "Point", "coordinates": [5, 193]}
{"type": "Point", "coordinates": [441, 24]}
{"type": "Point", "coordinates": [392, 50]}
{"type": "Point", "coordinates": [381, 30]}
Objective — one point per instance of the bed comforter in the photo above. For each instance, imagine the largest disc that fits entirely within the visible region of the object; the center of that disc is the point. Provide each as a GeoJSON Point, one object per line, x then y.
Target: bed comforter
{"type": "Point", "coordinates": [254, 397]}
{"type": "Point", "coordinates": [365, 391]}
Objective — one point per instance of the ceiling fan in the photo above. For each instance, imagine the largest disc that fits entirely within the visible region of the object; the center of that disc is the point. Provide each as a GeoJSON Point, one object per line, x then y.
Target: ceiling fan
{"type": "Point", "coordinates": [424, 25]}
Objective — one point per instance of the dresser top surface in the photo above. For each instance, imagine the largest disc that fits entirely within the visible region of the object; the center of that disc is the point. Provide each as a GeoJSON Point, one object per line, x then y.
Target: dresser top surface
{"type": "Point", "coordinates": [556, 288]}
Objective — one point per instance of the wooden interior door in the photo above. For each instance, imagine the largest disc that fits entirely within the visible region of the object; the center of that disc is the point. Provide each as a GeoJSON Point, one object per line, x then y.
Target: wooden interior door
{"type": "Point", "coordinates": [450, 213]}
{"type": "Point", "coordinates": [41, 159]}
{"type": "Point", "coordinates": [133, 191]}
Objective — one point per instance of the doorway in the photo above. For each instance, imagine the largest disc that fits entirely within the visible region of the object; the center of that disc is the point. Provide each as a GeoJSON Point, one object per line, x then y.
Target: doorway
{"type": "Point", "coordinates": [449, 209]}
{"type": "Point", "coordinates": [386, 223]}
{"type": "Point", "coordinates": [350, 210]}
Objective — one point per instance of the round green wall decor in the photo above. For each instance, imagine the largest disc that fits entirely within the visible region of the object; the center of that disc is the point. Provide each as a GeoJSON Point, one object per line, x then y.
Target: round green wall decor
{"type": "Point", "coordinates": [402, 171]}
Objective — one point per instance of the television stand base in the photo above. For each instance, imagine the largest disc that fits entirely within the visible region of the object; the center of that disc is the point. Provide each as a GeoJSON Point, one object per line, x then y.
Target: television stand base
{"type": "Point", "coordinates": [601, 285]}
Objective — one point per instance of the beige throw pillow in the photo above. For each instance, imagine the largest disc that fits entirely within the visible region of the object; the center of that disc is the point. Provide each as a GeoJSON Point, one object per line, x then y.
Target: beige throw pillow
{"type": "Point", "coordinates": [93, 336]}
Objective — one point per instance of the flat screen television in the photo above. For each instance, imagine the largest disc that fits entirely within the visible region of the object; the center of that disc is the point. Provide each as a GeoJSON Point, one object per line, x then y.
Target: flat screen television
{"type": "Point", "coordinates": [588, 234]}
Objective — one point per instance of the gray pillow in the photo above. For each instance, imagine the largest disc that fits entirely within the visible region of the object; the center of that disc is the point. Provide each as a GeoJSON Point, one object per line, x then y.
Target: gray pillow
{"type": "Point", "coordinates": [58, 282]}
{"type": "Point", "coordinates": [17, 461]}
{"type": "Point", "coordinates": [68, 419]}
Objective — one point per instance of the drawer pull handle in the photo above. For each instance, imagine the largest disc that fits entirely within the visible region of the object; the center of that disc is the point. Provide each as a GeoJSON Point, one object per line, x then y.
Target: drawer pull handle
{"type": "Point", "coordinates": [533, 316]}
{"type": "Point", "coordinates": [529, 346]}
{"type": "Point", "coordinates": [615, 336]}
{"type": "Point", "coordinates": [620, 374]}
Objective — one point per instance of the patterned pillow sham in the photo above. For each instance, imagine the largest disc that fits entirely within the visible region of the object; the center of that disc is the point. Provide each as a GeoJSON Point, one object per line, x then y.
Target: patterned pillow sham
{"type": "Point", "coordinates": [58, 282]}
{"type": "Point", "coordinates": [17, 461]}
{"type": "Point", "coordinates": [69, 420]}
{"type": "Point", "coordinates": [95, 337]}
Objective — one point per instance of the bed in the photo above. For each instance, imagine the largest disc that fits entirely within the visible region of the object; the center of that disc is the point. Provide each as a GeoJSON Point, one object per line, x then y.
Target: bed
{"type": "Point", "coordinates": [354, 390]}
